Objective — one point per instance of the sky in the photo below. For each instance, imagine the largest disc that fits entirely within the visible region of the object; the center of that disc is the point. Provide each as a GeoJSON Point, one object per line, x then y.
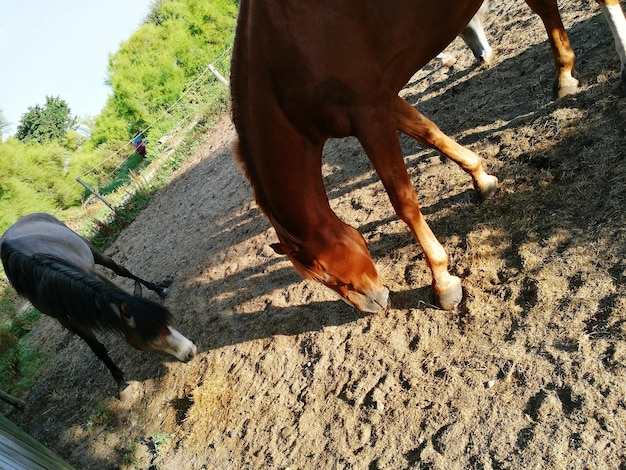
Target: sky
{"type": "Point", "coordinates": [61, 48]}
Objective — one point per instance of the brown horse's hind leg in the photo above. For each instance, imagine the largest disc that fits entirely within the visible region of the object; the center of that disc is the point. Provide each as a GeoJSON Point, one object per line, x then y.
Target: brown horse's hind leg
{"type": "Point", "coordinates": [383, 149]}
{"type": "Point", "coordinates": [562, 51]}
{"type": "Point", "coordinates": [411, 122]}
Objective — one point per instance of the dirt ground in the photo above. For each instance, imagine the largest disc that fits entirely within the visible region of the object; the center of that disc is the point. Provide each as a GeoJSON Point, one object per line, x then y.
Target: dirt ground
{"type": "Point", "coordinates": [529, 372]}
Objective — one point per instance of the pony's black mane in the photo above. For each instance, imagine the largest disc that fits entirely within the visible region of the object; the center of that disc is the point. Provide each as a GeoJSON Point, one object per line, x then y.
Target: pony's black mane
{"type": "Point", "coordinates": [62, 290]}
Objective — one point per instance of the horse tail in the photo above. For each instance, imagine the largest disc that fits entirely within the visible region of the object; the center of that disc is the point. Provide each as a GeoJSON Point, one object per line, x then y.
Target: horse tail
{"type": "Point", "coordinates": [61, 290]}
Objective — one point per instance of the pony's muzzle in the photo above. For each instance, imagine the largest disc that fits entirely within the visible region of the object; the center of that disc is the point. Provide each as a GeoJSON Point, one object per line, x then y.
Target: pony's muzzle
{"type": "Point", "coordinates": [190, 353]}
{"type": "Point", "coordinates": [180, 347]}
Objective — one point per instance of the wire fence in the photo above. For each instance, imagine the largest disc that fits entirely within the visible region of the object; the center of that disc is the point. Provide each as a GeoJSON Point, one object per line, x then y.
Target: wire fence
{"type": "Point", "coordinates": [220, 63]}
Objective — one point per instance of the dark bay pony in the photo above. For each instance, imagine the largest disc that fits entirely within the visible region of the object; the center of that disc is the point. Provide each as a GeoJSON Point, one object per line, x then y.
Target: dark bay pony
{"type": "Point", "coordinates": [562, 51]}
{"type": "Point", "coordinates": [54, 268]}
{"type": "Point", "coordinates": [303, 72]}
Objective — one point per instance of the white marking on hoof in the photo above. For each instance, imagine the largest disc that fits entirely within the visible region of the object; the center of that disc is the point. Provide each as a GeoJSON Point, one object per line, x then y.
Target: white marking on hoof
{"type": "Point", "coordinates": [488, 187]}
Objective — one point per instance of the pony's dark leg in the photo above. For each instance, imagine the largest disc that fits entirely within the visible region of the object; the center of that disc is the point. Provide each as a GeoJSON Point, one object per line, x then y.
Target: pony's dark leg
{"type": "Point", "coordinates": [137, 289]}
{"type": "Point", "coordinates": [99, 350]}
{"type": "Point", "coordinates": [103, 260]}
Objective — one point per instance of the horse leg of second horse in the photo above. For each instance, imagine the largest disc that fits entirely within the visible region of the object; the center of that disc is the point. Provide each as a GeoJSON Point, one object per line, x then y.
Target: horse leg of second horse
{"type": "Point", "coordinates": [476, 39]}
{"type": "Point", "coordinates": [106, 261]}
{"type": "Point", "coordinates": [100, 351]}
{"type": "Point", "coordinates": [617, 22]}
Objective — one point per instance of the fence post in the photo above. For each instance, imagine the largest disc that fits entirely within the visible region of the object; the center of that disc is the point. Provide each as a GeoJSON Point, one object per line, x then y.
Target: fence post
{"type": "Point", "coordinates": [218, 75]}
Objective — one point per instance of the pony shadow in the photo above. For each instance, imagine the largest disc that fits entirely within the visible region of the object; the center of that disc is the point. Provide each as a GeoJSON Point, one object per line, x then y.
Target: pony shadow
{"type": "Point", "coordinates": [273, 321]}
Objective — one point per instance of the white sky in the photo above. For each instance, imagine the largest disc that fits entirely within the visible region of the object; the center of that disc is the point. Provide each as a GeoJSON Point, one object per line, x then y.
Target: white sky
{"type": "Point", "coordinates": [61, 48]}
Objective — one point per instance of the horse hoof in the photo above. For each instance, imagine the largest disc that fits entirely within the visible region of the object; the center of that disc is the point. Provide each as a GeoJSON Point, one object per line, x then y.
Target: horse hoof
{"type": "Point", "coordinates": [451, 296]}
{"type": "Point", "coordinates": [165, 282]}
{"type": "Point", "coordinates": [164, 293]}
{"type": "Point", "coordinates": [127, 390]}
{"type": "Point", "coordinates": [488, 187]}
{"type": "Point", "coordinates": [485, 59]}
{"type": "Point", "coordinates": [566, 91]}
{"type": "Point", "coordinates": [565, 88]}
{"type": "Point", "coordinates": [446, 60]}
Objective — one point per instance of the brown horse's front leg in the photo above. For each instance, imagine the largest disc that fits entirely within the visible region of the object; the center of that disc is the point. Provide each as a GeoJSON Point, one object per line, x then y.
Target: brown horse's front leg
{"type": "Point", "coordinates": [562, 51]}
{"type": "Point", "coordinates": [383, 149]}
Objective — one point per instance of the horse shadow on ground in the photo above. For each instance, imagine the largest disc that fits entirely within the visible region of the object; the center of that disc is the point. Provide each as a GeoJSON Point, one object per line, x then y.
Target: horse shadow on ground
{"type": "Point", "coordinates": [250, 282]}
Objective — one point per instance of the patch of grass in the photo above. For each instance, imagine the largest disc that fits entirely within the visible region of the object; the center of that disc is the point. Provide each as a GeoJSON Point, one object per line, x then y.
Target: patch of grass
{"type": "Point", "coordinates": [128, 458]}
{"type": "Point", "coordinates": [108, 232]}
{"type": "Point", "coordinates": [99, 417]}
{"type": "Point", "coordinates": [160, 441]}
{"type": "Point", "coordinates": [19, 360]}
{"type": "Point", "coordinates": [206, 407]}
{"type": "Point", "coordinates": [133, 163]}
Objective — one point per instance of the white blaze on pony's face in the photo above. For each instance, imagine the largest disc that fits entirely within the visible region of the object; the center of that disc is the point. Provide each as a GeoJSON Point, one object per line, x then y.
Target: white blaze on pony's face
{"type": "Point", "coordinates": [166, 340]}
{"type": "Point", "coordinates": [174, 344]}
{"type": "Point", "coordinates": [170, 343]}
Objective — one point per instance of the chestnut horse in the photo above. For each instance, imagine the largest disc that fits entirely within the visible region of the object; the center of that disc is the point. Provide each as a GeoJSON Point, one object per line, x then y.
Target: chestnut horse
{"type": "Point", "coordinates": [54, 268]}
{"type": "Point", "coordinates": [562, 51]}
{"type": "Point", "coordinates": [305, 71]}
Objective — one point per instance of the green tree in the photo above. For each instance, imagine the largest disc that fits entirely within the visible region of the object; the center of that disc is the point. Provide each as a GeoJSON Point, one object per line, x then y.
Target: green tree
{"type": "Point", "coordinates": [46, 123]}
{"type": "Point", "coordinates": [151, 71]}
{"type": "Point", "coordinates": [3, 124]}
